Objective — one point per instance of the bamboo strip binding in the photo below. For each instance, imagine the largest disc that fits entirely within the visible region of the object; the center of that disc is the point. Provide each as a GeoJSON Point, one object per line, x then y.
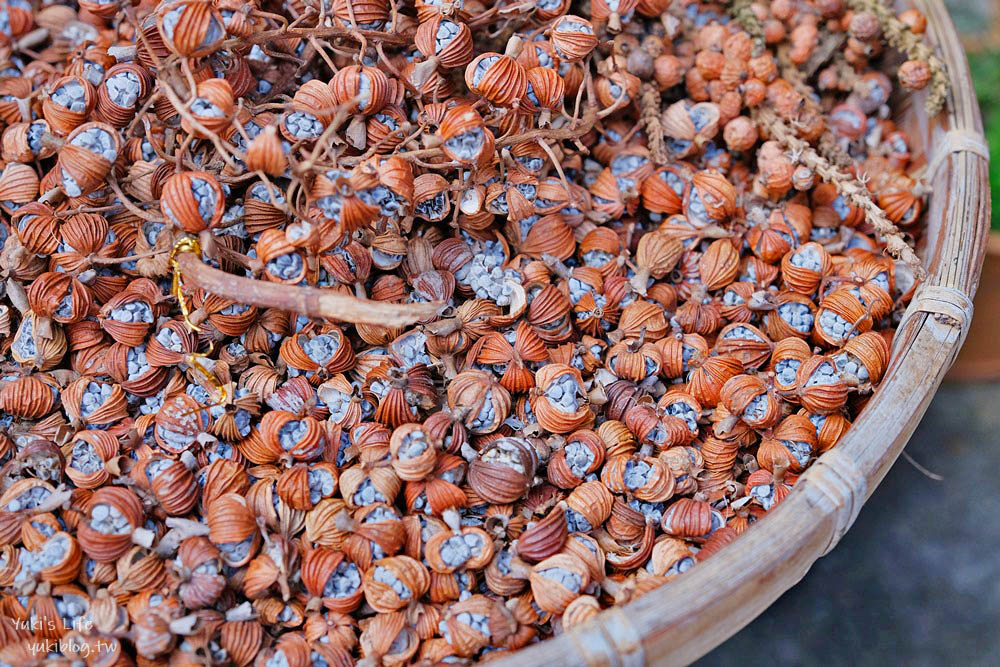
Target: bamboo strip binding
{"type": "Point", "coordinates": [693, 614]}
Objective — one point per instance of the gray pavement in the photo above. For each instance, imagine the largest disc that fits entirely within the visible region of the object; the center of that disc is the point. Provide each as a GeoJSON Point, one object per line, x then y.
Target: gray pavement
{"type": "Point", "coordinates": [917, 579]}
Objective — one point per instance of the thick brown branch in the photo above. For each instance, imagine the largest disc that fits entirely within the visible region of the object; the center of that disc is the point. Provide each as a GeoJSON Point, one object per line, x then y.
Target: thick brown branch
{"type": "Point", "coordinates": [309, 301]}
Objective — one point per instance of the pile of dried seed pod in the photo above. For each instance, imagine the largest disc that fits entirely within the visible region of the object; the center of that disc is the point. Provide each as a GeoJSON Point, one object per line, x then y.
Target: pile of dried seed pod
{"type": "Point", "coordinates": [418, 332]}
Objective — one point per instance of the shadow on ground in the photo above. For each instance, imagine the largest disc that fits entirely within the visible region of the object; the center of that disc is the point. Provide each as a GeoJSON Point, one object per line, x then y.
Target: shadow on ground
{"type": "Point", "coordinates": [917, 579]}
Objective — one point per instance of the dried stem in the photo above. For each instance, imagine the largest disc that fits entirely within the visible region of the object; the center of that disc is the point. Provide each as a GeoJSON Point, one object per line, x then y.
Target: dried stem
{"type": "Point", "coordinates": [649, 104]}
{"type": "Point", "coordinates": [828, 146]}
{"type": "Point", "coordinates": [309, 301]}
{"type": "Point", "coordinates": [548, 135]}
{"type": "Point", "coordinates": [848, 186]}
{"type": "Point", "coordinates": [268, 36]}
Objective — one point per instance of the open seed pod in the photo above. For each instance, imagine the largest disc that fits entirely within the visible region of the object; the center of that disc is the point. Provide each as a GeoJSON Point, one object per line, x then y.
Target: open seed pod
{"type": "Point", "coordinates": [557, 581]}
{"type": "Point", "coordinates": [469, 549]}
{"type": "Point", "coordinates": [744, 342]}
{"type": "Point", "coordinates": [232, 529]}
{"type": "Point", "coordinates": [572, 37]}
{"type": "Point", "coordinates": [792, 446]}
{"type": "Point", "coordinates": [788, 355]}
{"type": "Point", "coordinates": [841, 316]}
{"type": "Point", "coordinates": [171, 482]}
{"type": "Point", "coordinates": [679, 413]}
{"type": "Point", "coordinates": [647, 478]}
{"type": "Point", "coordinates": [690, 125]}
{"type": "Point", "coordinates": [361, 488]}
{"type": "Point", "coordinates": [192, 200]}
{"type": "Point", "coordinates": [37, 228]}
{"type": "Point", "coordinates": [679, 351]}
{"type": "Point", "coordinates": [86, 455]}
{"type": "Point", "coordinates": [16, 90]}
{"type": "Point", "coordinates": [93, 402]}
{"type": "Point", "coordinates": [60, 296]}
{"type": "Point", "coordinates": [477, 622]}
{"type": "Point", "coordinates": [178, 423]}
{"type": "Point", "coordinates": [465, 137]}
{"type": "Point", "coordinates": [691, 519]}
{"type": "Point", "coordinates": [482, 400]}
{"type": "Point", "coordinates": [201, 563]}
{"type": "Point", "coordinates": [588, 506]}
{"type": "Point", "coordinates": [375, 531]}
{"type": "Point", "coordinates": [190, 28]}
{"type": "Point", "coordinates": [86, 158]}
{"type": "Point", "coordinates": [414, 452]}
{"type": "Point", "coordinates": [863, 359]}
{"type": "Point", "coordinates": [301, 487]}
{"type": "Point", "coordinates": [69, 104]}
{"type": "Point", "coordinates": [498, 78]}
{"type": "Point", "coordinates": [329, 575]}
{"type": "Point", "coordinates": [287, 435]}
{"type": "Point", "coordinates": [766, 489]}
{"type": "Point", "coordinates": [360, 89]}
{"type": "Point", "coordinates": [663, 192]}
{"type": "Point", "coordinates": [18, 186]}
{"type": "Point", "coordinates": [503, 470]}
{"type": "Point", "coordinates": [124, 86]}
{"type": "Point", "coordinates": [747, 398]}
{"type": "Point", "coordinates": [112, 516]}
{"type": "Point", "coordinates": [794, 316]}
{"type": "Point", "coordinates": [560, 401]}
{"type": "Point", "coordinates": [390, 583]}
{"type": "Point", "coordinates": [821, 388]}
{"type": "Point", "coordinates": [57, 560]}
{"type": "Point", "coordinates": [212, 108]}
{"type": "Point", "coordinates": [582, 454]}
{"type": "Point", "coordinates": [33, 349]}
{"type": "Point", "coordinates": [803, 268]}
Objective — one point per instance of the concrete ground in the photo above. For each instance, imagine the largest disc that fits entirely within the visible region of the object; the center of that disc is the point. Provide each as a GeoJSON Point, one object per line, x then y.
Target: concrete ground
{"type": "Point", "coordinates": [917, 579]}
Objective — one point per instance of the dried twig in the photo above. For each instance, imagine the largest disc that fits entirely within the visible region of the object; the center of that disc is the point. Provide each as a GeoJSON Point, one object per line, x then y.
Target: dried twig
{"type": "Point", "coordinates": [846, 185]}
{"type": "Point", "coordinates": [649, 104]}
{"type": "Point", "coordinates": [309, 301]}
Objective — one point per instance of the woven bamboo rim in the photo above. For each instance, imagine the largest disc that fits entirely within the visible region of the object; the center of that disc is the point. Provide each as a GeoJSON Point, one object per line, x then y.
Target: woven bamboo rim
{"type": "Point", "coordinates": [685, 619]}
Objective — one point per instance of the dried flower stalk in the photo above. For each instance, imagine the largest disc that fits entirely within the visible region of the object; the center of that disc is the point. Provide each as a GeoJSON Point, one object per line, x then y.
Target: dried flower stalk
{"type": "Point", "coordinates": [847, 185]}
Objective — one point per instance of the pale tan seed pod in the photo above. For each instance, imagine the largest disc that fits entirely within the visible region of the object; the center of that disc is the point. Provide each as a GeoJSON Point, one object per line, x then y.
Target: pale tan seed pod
{"type": "Point", "coordinates": [414, 452]}
{"type": "Point", "coordinates": [444, 551]}
{"type": "Point", "coordinates": [557, 581]}
{"type": "Point", "coordinates": [391, 583]}
{"type": "Point", "coordinates": [33, 350]}
{"type": "Point", "coordinates": [469, 640]}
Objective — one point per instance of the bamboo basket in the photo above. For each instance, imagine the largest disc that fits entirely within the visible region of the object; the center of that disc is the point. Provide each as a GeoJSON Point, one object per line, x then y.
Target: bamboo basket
{"type": "Point", "coordinates": [688, 617]}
